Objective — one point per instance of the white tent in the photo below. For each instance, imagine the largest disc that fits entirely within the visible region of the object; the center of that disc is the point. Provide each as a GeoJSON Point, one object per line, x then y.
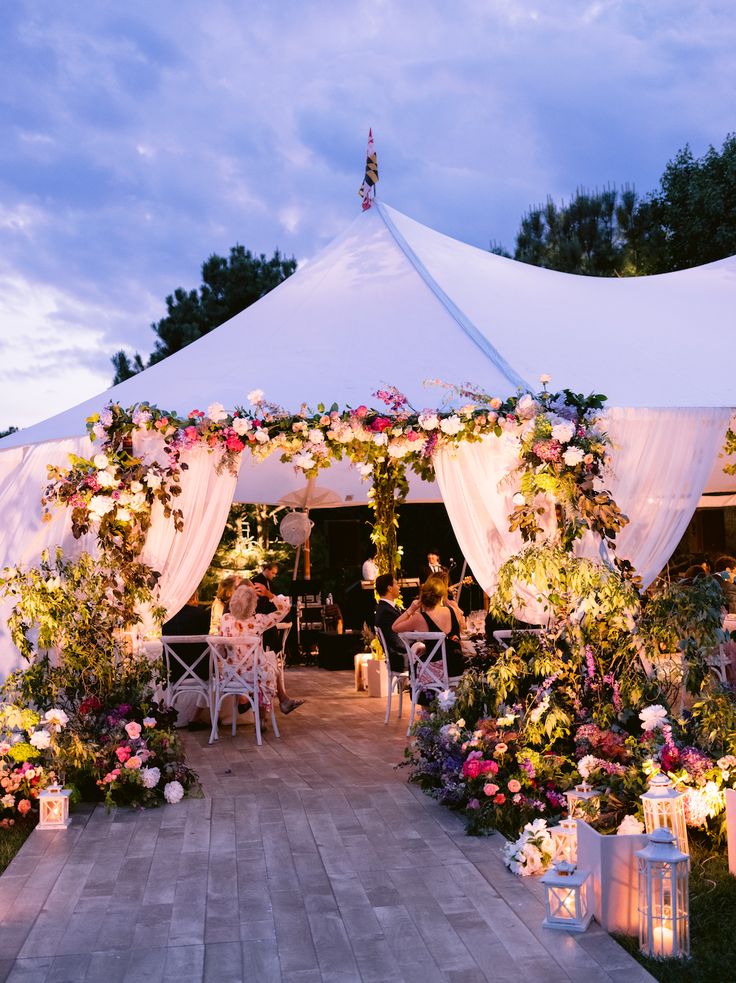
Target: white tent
{"type": "Point", "coordinates": [392, 301]}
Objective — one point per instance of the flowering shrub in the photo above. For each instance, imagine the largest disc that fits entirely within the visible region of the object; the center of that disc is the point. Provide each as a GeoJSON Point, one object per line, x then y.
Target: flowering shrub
{"type": "Point", "coordinates": [25, 736]}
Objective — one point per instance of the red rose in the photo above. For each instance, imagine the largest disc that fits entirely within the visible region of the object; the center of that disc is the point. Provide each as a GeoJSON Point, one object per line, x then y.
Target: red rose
{"type": "Point", "coordinates": [499, 799]}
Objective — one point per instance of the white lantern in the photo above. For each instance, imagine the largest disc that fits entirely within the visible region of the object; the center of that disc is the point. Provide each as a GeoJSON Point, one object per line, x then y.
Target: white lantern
{"type": "Point", "coordinates": [565, 840]}
{"type": "Point", "coordinates": [579, 797]}
{"type": "Point", "coordinates": [664, 807]}
{"type": "Point", "coordinates": [664, 918]}
{"type": "Point", "coordinates": [53, 806]}
{"type": "Point", "coordinates": [567, 897]}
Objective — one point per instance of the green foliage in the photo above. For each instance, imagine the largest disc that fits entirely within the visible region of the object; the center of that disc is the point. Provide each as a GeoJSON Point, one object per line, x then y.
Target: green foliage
{"type": "Point", "coordinates": [390, 488]}
{"type": "Point", "coordinates": [228, 287]}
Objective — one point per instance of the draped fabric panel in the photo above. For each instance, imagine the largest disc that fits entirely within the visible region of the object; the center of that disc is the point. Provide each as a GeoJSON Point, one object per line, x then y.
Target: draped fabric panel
{"type": "Point", "coordinates": [182, 558]}
{"type": "Point", "coordinates": [661, 459]}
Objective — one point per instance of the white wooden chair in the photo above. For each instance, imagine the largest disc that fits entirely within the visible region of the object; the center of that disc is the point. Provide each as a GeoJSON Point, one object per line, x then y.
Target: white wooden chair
{"type": "Point", "coordinates": [427, 657]}
{"type": "Point", "coordinates": [235, 662]}
{"type": "Point", "coordinates": [193, 681]}
{"type": "Point", "coordinates": [396, 679]}
{"type": "Point", "coordinates": [284, 627]}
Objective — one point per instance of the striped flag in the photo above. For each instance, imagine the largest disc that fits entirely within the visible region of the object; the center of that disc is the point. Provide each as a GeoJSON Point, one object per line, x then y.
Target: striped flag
{"type": "Point", "coordinates": [367, 190]}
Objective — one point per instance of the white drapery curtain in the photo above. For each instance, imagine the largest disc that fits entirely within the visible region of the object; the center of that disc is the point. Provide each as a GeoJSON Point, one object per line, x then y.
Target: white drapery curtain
{"type": "Point", "coordinates": [206, 496]}
{"type": "Point", "coordinates": [661, 462]}
{"type": "Point", "coordinates": [182, 558]}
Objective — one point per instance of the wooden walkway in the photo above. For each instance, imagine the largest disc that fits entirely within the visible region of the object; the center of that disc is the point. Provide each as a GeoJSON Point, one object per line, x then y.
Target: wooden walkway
{"type": "Point", "coordinates": [309, 860]}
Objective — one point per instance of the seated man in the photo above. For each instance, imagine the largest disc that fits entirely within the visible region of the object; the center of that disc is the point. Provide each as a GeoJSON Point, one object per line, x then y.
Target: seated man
{"type": "Point", "coordinates": [384, 617]}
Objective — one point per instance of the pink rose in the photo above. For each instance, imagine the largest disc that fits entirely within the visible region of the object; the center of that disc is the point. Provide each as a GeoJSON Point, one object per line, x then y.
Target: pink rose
{"type": "Point", "coordinates": [514, 786]}
{"type": "Point", "coordinates": [501, 748]}
{"type": "Point", "coordinates": [490, 789]}
{"type": "Point", "coordinates": [134, 762]}
{"type": "Point", "coordinates": [24, 807]}
{"type": "Point", "coordinates": [361, 412]}
{"type": "Point", "coordinates": [133, 730]}
{"type": "Point", "coordinates": [122, 753]}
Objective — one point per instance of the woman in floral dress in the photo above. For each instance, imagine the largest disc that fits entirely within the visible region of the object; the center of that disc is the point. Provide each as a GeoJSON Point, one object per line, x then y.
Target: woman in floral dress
{"type": "Point", "coordinates": [242, 619]}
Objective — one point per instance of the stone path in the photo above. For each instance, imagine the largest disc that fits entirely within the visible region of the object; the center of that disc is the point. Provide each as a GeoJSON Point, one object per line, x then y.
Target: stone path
{"type": "Point", "coordinates": [309, 860]}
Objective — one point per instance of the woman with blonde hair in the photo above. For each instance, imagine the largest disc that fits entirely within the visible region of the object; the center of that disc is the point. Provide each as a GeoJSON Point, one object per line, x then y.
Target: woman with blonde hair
{"type": "Point", "coordinates": [226, 588]}
{"type": "Point", "coordinates": [434, 611]}
{"type": "Point", "coordinates": [242, 619]}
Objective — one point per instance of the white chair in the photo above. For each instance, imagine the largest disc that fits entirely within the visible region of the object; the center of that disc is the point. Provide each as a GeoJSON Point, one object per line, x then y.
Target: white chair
{"type": "Point", "coordinates": [396, 679]}
{"type": "Point", "coordinates": [427, 656]}
{"type": "Point", "coordinates": [503, 635]}
{"type": "Point", "coordinates": [284, 627]}
{"type": "Point", "coordinates": [235, 662]}
{"type": "Point", "coordinates": [190, 683]}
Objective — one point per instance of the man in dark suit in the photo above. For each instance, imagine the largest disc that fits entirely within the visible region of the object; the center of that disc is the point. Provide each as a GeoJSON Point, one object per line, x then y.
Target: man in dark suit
{"type": "Point", "coordinates": [432, 565]}
{"type": "Point", "coordinates": [384, 617]}
{"type": "Point", "coordinates": [265, 605]}
{"type": "Point", "coordinates": [191, 620]}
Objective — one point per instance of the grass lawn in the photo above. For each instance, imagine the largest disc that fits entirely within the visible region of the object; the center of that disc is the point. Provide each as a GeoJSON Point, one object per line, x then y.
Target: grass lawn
{"type": "Point", "coordinates": [712, 924]}
{"type": "Point", "coordinates": [11, 840]}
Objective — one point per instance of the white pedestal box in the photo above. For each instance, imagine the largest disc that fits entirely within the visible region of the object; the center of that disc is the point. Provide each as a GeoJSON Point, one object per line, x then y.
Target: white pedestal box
{"type": "Point", "coordinates": [613, 865]}
{"type": "Point", "coordinates": [377, 678]}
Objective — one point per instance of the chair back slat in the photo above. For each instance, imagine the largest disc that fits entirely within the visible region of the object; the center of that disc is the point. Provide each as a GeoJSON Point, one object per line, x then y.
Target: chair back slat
{"type": "Point", "coordinates": [428, 668]}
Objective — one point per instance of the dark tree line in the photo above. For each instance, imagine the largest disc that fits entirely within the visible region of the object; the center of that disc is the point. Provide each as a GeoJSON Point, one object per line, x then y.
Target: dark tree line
{"type": "Point", "coordinates": [228, 287]}
{"type": "Point", "coordinates": [689, 220]}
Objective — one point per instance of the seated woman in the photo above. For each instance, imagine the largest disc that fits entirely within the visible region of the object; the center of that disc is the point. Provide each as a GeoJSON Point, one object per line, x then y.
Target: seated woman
{"type": "Point", "coordinates": [242, 619]}
{"type": "Point", "coordinates": [221, 604]}
{"type": "Point", "coordinates": [433, 611]}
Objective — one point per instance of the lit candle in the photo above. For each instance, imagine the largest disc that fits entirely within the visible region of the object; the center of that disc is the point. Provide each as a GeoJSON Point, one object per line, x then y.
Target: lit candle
{"type": "Point", "coordinates": [662, 939]}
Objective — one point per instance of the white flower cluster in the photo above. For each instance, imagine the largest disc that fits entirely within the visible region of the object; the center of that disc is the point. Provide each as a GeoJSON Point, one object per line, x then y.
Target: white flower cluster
{"type": "Point", "coordinates": [630, 826]}
{"type": "Point", "coordinates": [533, 851]}
{"type": "Point", "coordinates": [653, 717]}
{"type": "Point", "coordinates": [173, 792]}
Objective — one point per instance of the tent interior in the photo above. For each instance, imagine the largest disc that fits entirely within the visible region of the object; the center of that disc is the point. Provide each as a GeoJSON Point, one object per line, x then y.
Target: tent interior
{"type": "Point", "coordinates": [391, 301]}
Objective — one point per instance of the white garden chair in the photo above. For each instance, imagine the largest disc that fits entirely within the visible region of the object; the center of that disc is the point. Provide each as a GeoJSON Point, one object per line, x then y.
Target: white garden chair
{"type": "Point", "coordinates": [191, 682]}
{"type": "Point", "coordinates": [284, 627]}
{"type": "Point", "coordinates": [427, 657]}
{"type": "Point", "coordinates": [235, 663]}
{"type": "Point", "coordinates": [396, 679]}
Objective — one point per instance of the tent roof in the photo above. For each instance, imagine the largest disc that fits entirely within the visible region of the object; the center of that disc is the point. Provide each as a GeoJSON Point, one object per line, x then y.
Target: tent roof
{"type": "Point", "coordinates": [392, 301]}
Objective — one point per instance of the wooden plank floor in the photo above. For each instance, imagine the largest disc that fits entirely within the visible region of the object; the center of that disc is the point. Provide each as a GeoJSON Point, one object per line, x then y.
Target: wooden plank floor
{"type": "Point", "coordinates": [309, 859]}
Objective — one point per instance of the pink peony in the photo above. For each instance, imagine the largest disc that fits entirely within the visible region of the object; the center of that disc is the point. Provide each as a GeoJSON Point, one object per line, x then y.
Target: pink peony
{"type": "Point", "coordinates": [488, 768]}
{"type": "Point", "coordinates": [490, 789]}
{"type": "Point", "coordinates": [514, 786]}
{"type": "Point", "coordinates": [133, 730]}
{"type": "Point", "coordinates": [471, 768]}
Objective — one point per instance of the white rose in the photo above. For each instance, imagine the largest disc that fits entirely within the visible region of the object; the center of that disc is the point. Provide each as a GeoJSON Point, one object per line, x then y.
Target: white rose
{"type": "Point", "coordinates": [429, 421]}
{"type": "Point", "coordinates": [518, 499]}
{"type": "Point", "coordinates": [123, 515]}
{"type": "Point", "coordinates": [255, 397]}
{"type": "Point", "coordinates": [316, 437]}
{"type": "Point", "coordinates": [572, 456]}
{"type": "Point", "coordinates": [398, 449]}
{"type": "Point", "coordinates": [451, 425]}
{"type": "Point", "coordinates": [304, 460]}
{"type": "Point", "coordinates": [365, 469]}
{"type": "Point", "coordinates": [216, 412]}
{"type": "Point", "coordinates": [241, 425]}
{"type": "Point", "coordinates": [150, 777]}
{"type": "Point", "coordinates": [40, 739]}
{"type": "Point", "coordinates": [262, 435]}
{"type": "Point", "coordinates": [173, 792]}
{"type": "Point", "coordinates": [7, 801]}
{"type": "Point", "coordinates": [100, 505]}
{"type": "Point", "coordinates": [587, 764]}
{"type": "Point", "coordinates": [527, 407]}
{"type": "Point", "coordinates": [137, 502]}
{"type": "Point", "coordinates": [380, 439]}
{"type": "Point", "coordinates": [100, 461]}
{"type": "Point", "coordinates": [105, 479]}
{"type": "Point", "coordinates": [153, 480]}
{"type": "Point", "coordinates": [563, 432]}
{"type": "Point", "coordinates": [136, 487]}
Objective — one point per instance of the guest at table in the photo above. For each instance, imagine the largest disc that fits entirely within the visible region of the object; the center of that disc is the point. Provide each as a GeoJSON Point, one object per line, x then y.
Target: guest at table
{"type": "Point", "coordinates": [433, 611]}
{"type": "Point", "coordinates": [192, 619]}
{"type": "Point", "coordinates": [725, 569]}
{"type": "Point", "coordinates": [243, 619]}
{"type": "Point", "coordinates": [263, 584]}
{"type": "Point", "coordinates": [384, 617]}
{"type": "Point", "coordinates": [220, 605]}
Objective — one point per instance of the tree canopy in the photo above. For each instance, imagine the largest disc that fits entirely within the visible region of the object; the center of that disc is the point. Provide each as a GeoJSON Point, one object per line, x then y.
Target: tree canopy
{"type": "Point", "coordinates": [228, 287]}
{"type": "Point", "coordinates": [689, 220]}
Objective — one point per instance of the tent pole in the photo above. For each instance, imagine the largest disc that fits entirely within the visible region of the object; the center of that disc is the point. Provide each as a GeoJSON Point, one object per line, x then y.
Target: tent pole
{"type": "Point", "coordinates": [296, 562]}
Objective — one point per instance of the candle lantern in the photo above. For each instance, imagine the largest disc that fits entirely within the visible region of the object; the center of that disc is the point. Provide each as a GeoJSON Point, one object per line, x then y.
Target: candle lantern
{"type": "Point", "coordinates": [664, 919]}
{"type": "Point", "coordinates": [565, 840]}
{"type": "Point", "coordinates": [567, 897]}
{"type": "Point", "coordinates": [581, 798]}
{"type": "Point", "coordinates": [53, 805]}
{"type": "Point", "coordinates": [664, 807]}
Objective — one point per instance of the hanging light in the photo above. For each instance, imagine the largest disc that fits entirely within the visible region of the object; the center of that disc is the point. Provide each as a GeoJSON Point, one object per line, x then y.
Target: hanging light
{"type": "Point", "coordinates": [665, 807]}
{"type": "Point", "coordinates": [664, 917]}
{"type": "Point", "coordinates": [578, 797]}
{"type": "Point", "coordinates": [565, 840]}
{"type": "Point", "coordinates": [53, 805]}
{"type": "Point", "coordinates": [567, 898]}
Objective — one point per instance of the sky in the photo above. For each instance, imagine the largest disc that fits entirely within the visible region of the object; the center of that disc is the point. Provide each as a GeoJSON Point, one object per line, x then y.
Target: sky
{"type": "Point", "coordinates": [137, 139]}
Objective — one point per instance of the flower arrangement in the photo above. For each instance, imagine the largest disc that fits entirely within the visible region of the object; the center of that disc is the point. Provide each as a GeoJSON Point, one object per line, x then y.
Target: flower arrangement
{"type": "Point", "coordinates": [532, 852]}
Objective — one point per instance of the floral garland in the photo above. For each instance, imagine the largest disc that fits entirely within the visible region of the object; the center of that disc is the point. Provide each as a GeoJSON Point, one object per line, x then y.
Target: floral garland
{"type": "Point", "coordinates": [562, 453]}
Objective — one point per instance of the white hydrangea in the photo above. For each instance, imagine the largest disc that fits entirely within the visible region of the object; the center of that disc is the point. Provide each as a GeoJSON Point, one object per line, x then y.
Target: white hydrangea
{"type": "Point", "coordinates": [241, 425]}
{"type": "Point", "coordinates": [173, 792]}
{"type": "Point", "coordinates": [563, 432]}
{"type": "Point", "coordinates": [151, 776]}
{"type": "Point", "coordinates": [153, 480]}
{"type": "Point", "coordinates": [653, 717]}
{"type": "Point", "coordinates": [262, 435]}
{"type": "Point", "coordinates": [451, 425]}
{"type": "Point", "coordinates": [587, 765]}
{"type": "Point", "coordinates": [380, 439]}
{"type": "Point", "coordinates": [40, 739]}
{"type": "Point", "coordinates": [446, 699]}
{"type": "Point", "coordinates": [428, 421]}
{"type": "Point", "coordinates": [630, 826]}
{"type": "Point", "coordinates": [518, 499]}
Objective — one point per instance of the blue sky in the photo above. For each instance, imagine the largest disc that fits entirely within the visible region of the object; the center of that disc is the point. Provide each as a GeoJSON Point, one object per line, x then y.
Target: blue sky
{"type": "Point", "coordinates": [136, 139]}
